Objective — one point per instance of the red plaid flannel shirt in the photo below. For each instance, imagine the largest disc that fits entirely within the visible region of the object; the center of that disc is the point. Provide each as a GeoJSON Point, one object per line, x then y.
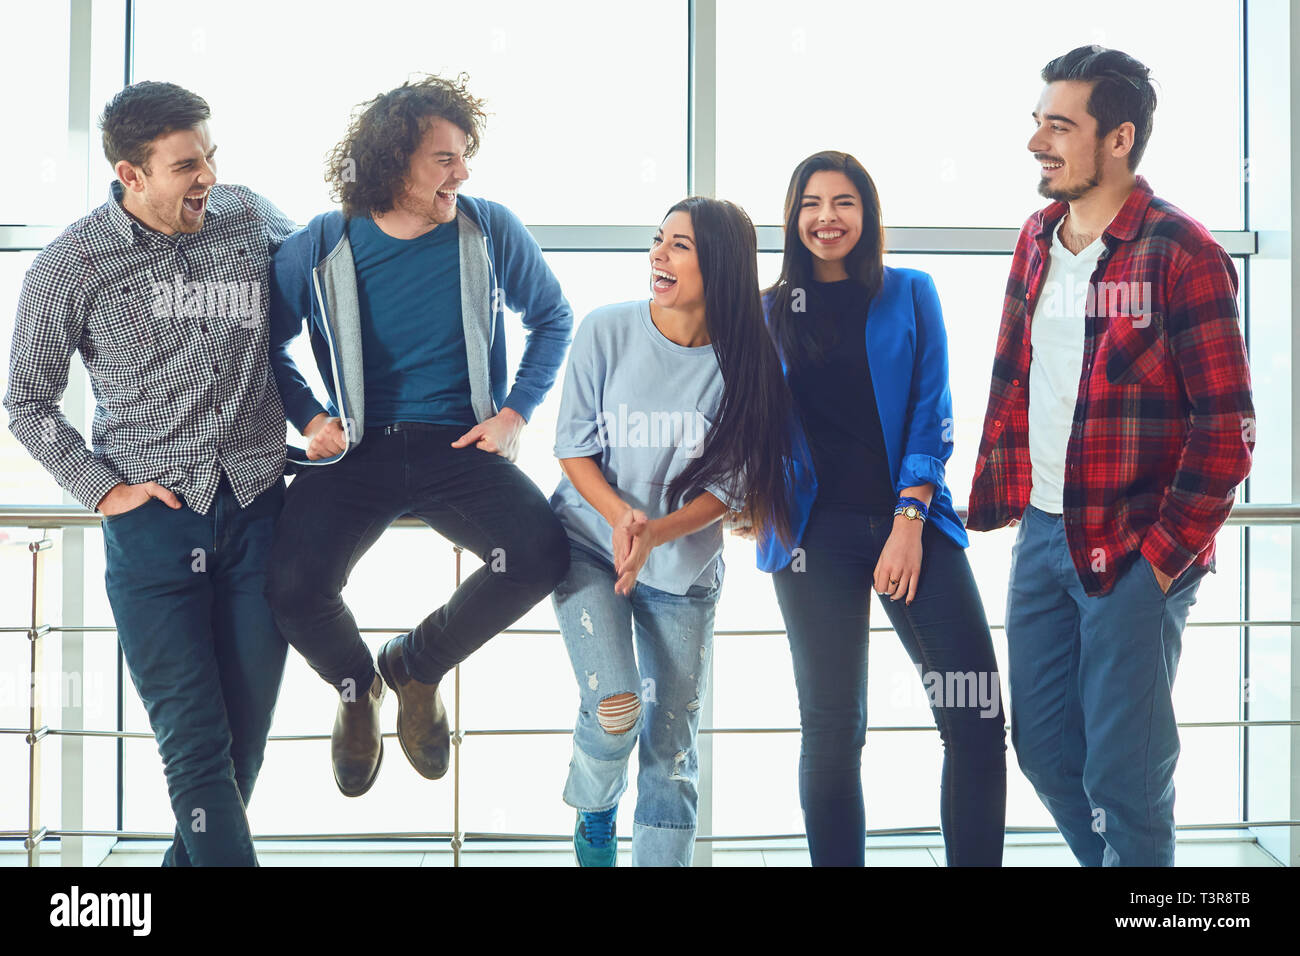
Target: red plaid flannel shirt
{"type": "Point", "coordinates": [1163, 423]}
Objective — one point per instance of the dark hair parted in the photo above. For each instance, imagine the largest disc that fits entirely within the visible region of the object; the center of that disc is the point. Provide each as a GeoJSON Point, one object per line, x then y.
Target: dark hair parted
{"type": "Point", "coordinates": [1121, 91]}
{"type": "Point", "coordinates": [746, 450]}
{"type": "Point", "coordinates": [367, 170]}
{"type": "Point", "coordinates": [142, 112]}
{"type": "Point", "coordinates": [797, 337]}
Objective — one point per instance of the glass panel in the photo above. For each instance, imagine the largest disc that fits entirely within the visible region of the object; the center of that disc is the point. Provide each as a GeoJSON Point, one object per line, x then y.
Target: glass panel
{"type": "Point", "coordinates": [39, 182]}
{"type": "Point", "coordinates": [513, 785]}
{"type": "Point", "coordinates": [940, 117]}
{"type": "Point", "coordinates": [559, 148]}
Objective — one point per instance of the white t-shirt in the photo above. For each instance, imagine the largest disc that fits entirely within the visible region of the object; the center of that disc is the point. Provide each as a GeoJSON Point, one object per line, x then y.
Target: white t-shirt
{"type": "Point", "coordinates": [1056, 337]}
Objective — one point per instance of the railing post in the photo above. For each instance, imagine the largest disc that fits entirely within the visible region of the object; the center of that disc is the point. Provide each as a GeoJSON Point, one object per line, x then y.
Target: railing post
{"type": "Point", "coordinates": [702, 170]}
{"type": "Point", "coordinates": [83, 147]}
{"type": "Point", "coordinates": [457, 838]}
{"type": "Point", "coordinates": [35, 718]}
{"type": "Point", "coordinates": [1271, 665]}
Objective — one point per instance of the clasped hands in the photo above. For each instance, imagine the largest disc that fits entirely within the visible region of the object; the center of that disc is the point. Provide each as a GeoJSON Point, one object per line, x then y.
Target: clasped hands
{"type": "Point", "coordinates": [634, 537]}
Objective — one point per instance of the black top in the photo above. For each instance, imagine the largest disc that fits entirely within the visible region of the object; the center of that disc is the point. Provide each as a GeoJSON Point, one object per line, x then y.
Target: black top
{"type": "Point", "coordinates": [838, 406]}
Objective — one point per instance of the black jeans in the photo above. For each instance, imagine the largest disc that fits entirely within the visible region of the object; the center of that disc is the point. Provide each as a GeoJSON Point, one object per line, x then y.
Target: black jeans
{"type": "Point", "coordinates": [826, 608]}
{"type": "Point", "coordinates": [476, 499]}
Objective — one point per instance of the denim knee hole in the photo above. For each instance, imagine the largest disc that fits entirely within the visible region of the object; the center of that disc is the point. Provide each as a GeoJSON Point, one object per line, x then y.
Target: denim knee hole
{"type": "Point", "coordinates": [618, 713]}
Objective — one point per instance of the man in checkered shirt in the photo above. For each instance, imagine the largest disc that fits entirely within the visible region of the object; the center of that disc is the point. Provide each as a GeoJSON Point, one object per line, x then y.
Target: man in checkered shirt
{"type": "Point", "coordinates": [163, 291]}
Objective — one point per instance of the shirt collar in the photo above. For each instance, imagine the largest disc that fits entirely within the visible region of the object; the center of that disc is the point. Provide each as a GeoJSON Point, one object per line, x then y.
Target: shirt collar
{"type": "Point", "coordinates": [1123, 228]}
{"type": "Point", "coordinates": [130, 230]}
{"type": "Point", "coordinates": [1129, 219]}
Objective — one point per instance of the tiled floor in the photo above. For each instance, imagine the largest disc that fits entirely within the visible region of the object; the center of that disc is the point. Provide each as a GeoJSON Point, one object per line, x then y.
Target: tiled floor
{"type": "Point", "coordinates": [1226, 850]}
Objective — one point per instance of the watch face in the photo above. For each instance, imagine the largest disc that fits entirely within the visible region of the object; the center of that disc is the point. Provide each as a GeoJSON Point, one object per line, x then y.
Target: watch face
{"type": "Point", "coordinates": [911, 511]}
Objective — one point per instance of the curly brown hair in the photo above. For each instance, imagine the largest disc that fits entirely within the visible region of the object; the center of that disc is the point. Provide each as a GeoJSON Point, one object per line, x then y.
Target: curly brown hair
{"type": "Point", "coordinates": [367, 170]}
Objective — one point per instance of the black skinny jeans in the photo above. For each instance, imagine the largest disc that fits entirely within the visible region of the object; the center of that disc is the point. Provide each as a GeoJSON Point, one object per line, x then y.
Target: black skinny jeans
{"type": "Point", "coordinates": [826, 609]}
{"type": "Point", "coordinates": [478, 500]}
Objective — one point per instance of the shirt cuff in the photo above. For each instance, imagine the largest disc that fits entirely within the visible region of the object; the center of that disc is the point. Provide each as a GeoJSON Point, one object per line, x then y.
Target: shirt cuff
{"type": "Point", "coordinates": [579, 451]}
{"type": "Point", "coordinates": [1165, 552]}
{"type": "Point", "coordinates": [921, 470]}
{"type": "Point", "coordinates": [521, 402]}
{"type": "Point", "coordinates": [514, 407]}
{"type": "Point", "coordinates": [719, 492]}
{"type": "Point", "coordinates": [93, 482]}
{"type": "Point", "coordinates": [304, 410]}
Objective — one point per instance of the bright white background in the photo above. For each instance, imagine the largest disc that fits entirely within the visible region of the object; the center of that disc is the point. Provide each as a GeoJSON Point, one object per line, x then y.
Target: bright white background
{"type": "Point", "coordinates": [589, 126]}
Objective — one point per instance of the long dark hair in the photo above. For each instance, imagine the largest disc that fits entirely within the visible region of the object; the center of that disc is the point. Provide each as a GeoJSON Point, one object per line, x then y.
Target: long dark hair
{"type": "Point", "coordinates": [750, 441]}
{"type": "Point", "coordinates": [865, 262]}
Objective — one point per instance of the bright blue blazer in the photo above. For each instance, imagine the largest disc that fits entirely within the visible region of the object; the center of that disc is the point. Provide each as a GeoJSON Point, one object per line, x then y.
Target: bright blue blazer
{"type": "Point", "coordinates": [907, 352]}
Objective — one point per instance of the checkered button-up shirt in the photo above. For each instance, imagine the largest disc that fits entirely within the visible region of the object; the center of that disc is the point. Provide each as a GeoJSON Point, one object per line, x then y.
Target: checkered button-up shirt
{"type": "Point", "coordinates": [173, 333]}
{"type": "Point", "coordinates": [1163, 423]}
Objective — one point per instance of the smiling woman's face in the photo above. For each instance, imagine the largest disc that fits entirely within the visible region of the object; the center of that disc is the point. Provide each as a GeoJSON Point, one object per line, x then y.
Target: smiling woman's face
{"type": "Point", "coordinates": [830, 216]}
{"type": "Point", "coordinates": [675, 278]}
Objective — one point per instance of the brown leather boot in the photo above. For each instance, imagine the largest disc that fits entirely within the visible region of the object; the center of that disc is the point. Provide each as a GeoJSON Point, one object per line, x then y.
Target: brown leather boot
{"type": "Point", "coordinates": [357, 745]}
{"type": "Point", "coordinates": [422, 727]}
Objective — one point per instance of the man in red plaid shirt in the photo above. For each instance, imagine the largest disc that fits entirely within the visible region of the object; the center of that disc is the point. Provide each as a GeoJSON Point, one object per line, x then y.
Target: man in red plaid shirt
{"type": "Point", "coordinates": [1119, 425]}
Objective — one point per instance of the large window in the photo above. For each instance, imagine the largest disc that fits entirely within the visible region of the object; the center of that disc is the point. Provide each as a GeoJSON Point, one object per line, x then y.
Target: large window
{"type": "Point", "coordinates": [590, 130]}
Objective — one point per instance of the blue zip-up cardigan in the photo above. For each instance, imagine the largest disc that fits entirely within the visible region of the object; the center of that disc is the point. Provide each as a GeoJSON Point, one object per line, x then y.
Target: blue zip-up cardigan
{"type": "Point", "coordinates": [501, 266]}
{"type": "Point", "coordinates": [907, 352]}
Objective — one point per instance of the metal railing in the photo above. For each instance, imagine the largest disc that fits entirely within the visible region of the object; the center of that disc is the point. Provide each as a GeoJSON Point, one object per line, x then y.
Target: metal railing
{"type": "Point", "coordinates": [54, 517]}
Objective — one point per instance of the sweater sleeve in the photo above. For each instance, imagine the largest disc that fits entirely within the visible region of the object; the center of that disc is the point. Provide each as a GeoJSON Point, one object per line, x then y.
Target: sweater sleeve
{"type": "Point", "coordinates": [579, 428]}
{"type": "Point", "coordinates": [530, 288]}
{"type": "Point", "coordinates": [290, 305]}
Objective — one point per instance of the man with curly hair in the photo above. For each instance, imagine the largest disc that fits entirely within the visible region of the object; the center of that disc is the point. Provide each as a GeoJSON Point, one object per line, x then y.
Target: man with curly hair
{"type": "Point", "coordinates": [403, 293]}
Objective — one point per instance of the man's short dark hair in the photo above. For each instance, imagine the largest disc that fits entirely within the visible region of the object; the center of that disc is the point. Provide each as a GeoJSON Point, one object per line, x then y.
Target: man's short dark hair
{"type": "Point", "coordinates": [141, 113]}
{"type": "Point", "coordinates": [1121, 91]}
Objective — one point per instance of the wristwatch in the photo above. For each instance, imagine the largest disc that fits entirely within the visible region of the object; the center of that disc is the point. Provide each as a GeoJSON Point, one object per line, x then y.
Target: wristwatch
{"type": "Point", "coordinates": [911, 509]}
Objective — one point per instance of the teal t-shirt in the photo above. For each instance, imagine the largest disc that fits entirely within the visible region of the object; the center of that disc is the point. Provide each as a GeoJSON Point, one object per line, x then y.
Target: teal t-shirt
{"type": "Point", "coordinates": [642, 405]}
{"type": "Point", "coordinates": [412, 336]}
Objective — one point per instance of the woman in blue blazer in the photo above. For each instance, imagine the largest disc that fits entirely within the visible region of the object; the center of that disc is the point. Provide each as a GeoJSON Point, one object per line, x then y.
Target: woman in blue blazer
{"type": "Point", "coordinates": [865, 352]}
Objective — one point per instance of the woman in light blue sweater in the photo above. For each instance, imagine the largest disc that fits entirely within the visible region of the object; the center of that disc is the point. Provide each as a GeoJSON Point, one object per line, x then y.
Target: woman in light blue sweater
{"type": "Point", "coordinates": [665, 424]}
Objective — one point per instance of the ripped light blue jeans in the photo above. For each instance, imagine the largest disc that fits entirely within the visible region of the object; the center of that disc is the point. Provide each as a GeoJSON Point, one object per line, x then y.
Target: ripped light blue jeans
{"type": "Point", "coordinates": [642, 665]}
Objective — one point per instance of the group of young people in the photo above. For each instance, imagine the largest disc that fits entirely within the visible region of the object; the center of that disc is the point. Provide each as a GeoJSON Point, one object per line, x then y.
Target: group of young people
{"type": "Point", "coordinates": [814, 416]}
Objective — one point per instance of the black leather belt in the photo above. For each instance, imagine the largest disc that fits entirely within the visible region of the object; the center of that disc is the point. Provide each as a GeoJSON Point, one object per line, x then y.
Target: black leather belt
{"type": "Point", "coordinates": [418, 427]}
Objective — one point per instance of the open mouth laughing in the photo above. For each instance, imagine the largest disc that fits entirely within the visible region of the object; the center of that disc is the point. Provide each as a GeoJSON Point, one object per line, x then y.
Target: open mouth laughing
{"type": "Point", "coordinates": [662, 281]}
{"type": "Point", "coordinates": [195, 203]}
